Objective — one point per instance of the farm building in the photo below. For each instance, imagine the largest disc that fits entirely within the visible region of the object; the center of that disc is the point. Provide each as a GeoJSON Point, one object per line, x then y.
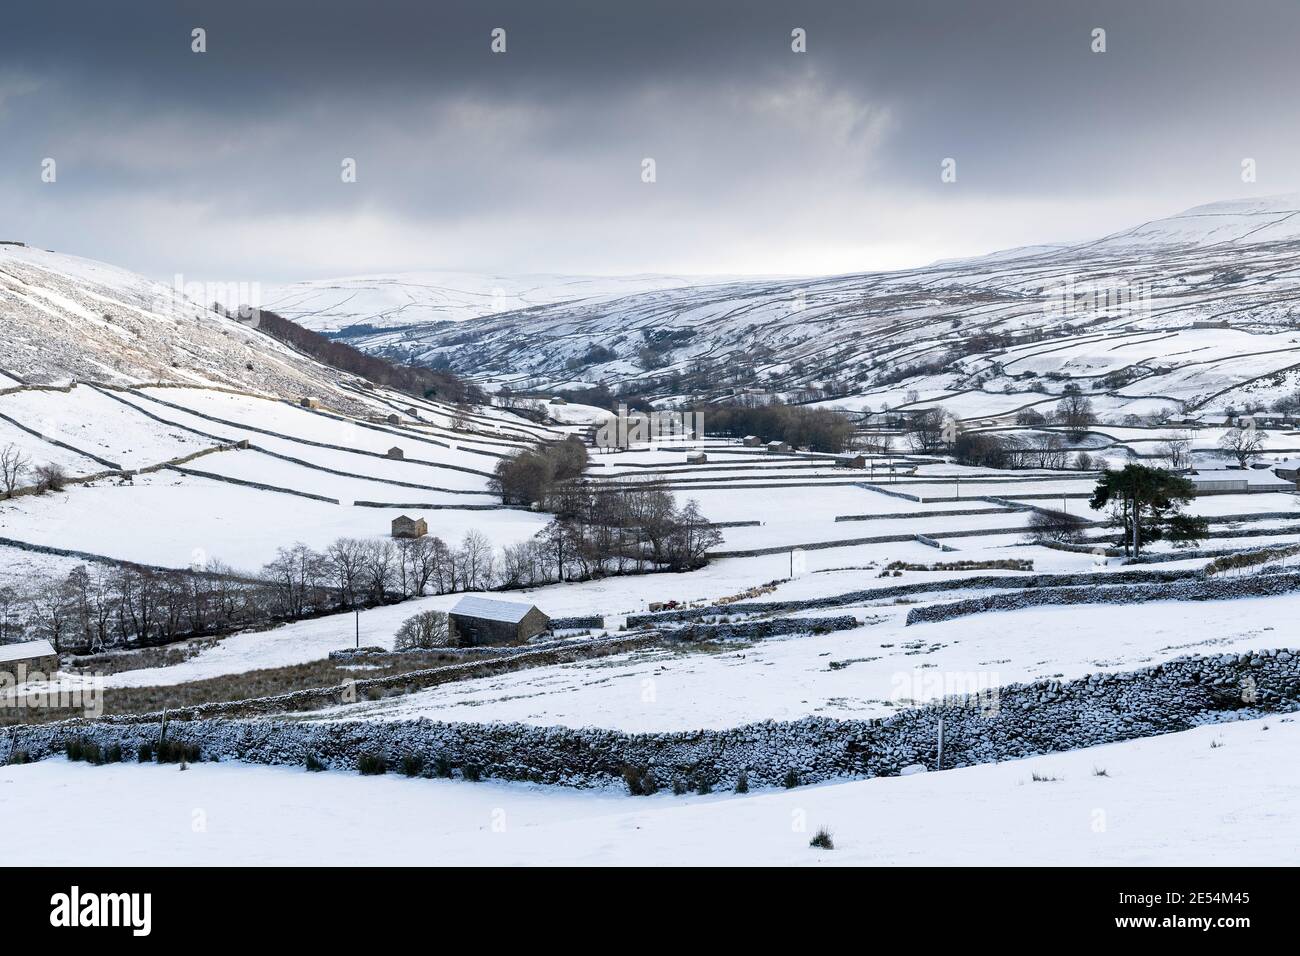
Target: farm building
{"type": "Point", "coordinates": [752, 441]}
{"type": "Point", "coordinates": [28, 657]}
{"type": "Point", "coordinates": [696, 458]}
{"type": "Point", "coordinates": [851, 461]}
{"type": "Point", "coordinates": [778, 446]}
{"type": "Point", "coordinates": [309, 402]}
{"type": "Point", "coordinates": [394, 419]}
{"type": "Point", "coordinates": [405, 527]}
{"type": "Point", "coordinates": [1288, 470]}
{"type": "Point", "coordinates": [413, 413]}
{"type": "Point", "coordinates": [557, 400]}
{"type": "Point", "coordinates": [396, 452]}
{"type": "Point", "coordinates": [1219, 482]}
{"type": "Point", "coordinates": [1239, 481]}
{"type": "Point", "coordinates": [477, 620]}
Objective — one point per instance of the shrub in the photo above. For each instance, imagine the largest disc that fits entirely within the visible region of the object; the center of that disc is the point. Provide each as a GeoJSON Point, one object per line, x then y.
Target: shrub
{"type": "Point", "coordinates": [822, 840]}
{"type": "Point", "coordinates": [20, 756]}
{"type": "Point", "coordinates": [412, 765]}
{"type": "Point", "coordinates": [791, 780]}
{"type": "Point", "coordinates": [146, 753]}
{"type": "Point", "coordinates": [369, 765]}
{"type": "Point", "coordinates": [742, 783]}
{"type": "Point", "coordinates": [640, 781]}
{"type": "Point", "coordinates": [472, 772]}
{"type": "Point", "coordinates": [177, 751]}
{"type": "Point", "coordinates": [442, 766]}
{"type": "Point", "coordinates": [679, 787]}
{"type": "Point", "coordinates": [315, 764]}
{"type": "Point", "coordinates": [113, 754]}
{"type": "Point", "coordinates": [424, 631]}
{"type": "Point", "coordinates": [50, 478]}
{"type": "Point", "coordinates": [83, 748]}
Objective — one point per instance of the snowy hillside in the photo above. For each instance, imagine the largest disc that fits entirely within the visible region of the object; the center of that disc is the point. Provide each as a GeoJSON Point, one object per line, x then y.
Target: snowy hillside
{"type": "Point", "coordinates": [412, 299]}
{"type": "Point", "coordinates": [67, 319]}
{"type": "Point", "coordinates": [1193, 312]}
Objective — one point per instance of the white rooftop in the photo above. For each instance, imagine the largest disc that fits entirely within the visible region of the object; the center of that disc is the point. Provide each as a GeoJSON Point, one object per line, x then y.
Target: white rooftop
{"type": "Point", "coordinates": [24, 650]}
{"type": "Point", "coordinates": [489, 609]}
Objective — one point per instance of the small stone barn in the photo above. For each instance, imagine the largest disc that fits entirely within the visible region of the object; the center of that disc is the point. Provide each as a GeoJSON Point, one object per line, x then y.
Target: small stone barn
{"type": "Point", "coordinates": [752, 441]}
{"type": "Point", "coordinates": [396, 452]}
{"type": "Point", "coordinates": [394, 419]}
{"type": "Point", "coordinates": [405, 527]}
{"type": "Point", "coordinates": [28, 658]}
{"type": "Point", "coordinates": [558, 400]}
{"type": "Point", "coordinates": [309, 402]}
{"type": "Point", "coordinates": [851, 461]}
{"type": "Point", "coordinates": [778, 446]}
{"type": "Point", "coordinates": [696, 458]}
{"type": "Point", "coordinates": [477, 620]}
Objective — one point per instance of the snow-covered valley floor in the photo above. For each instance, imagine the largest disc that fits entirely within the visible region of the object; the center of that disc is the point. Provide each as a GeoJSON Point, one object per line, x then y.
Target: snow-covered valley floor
{"type": "Point", "coordinates": [1221, 792]}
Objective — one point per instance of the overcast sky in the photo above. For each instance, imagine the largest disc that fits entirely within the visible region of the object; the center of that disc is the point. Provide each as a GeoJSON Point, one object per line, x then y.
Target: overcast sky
{"type": "Point", "coordinates": [226, 165]}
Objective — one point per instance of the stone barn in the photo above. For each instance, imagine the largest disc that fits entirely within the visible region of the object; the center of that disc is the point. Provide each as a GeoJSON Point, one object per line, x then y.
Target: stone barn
{"type": "Point", "coordinates": [851, 461]}
{"type": "Point", "coordinates": [28, 658]}
{"type": "Point", "coordinates": [697, 458]}
{"type": "Point", "coordinates": [405, 527]}
{"type": "Point", "coordinates": [752, 441]}
{"type": "Point", "coordinates": [778, 447]}
{"type": "Point", "coordinates": [394, 419]}
{"type": "Point", "coordinates": [396, 452]}
{"type": "Point", "coordinates": [309, 402]}
{"type": "Point", "coordinates": [477, 620]}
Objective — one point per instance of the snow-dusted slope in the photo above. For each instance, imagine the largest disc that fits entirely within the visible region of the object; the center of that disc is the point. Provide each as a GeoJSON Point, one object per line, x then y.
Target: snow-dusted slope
{"type": "Point", "coordinates": [66, 318]}
{"type": "Point", "coordinates": [1144, 305]}
{"type": "Point", "coordinates": [407, 299]}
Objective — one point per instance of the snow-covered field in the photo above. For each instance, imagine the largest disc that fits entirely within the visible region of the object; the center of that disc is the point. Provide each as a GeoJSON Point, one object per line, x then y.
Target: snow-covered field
{"type": "Point", "coordinates": [868, 672]}
{"type": "Point", "coordinates": [1173, 801]}
{"type": "Point", "coordinates": [182, 521]}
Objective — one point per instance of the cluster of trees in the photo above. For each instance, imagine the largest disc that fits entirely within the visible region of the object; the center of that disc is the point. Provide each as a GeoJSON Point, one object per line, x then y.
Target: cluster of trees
{"type": "Point", "coordinates": [602, 529]}
{"type": "Point", "coordinates": [412, 379]}
{"type": "Point", "coordinates": [533, 475]}
{"type": "Point", "coordinates": [819, 429]}
{"type": "Point", "coordinates": [986, 450]}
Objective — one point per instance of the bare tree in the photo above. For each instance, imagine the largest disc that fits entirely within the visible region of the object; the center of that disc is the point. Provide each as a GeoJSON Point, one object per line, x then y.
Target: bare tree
{"type": "Point", "coordinates": [1075, 412]}
{"type": "Point", "coordinates": [13, 465]}
{"type": "Point", "coordinates": [1243, 444]}
{"type": "Point", "coordinates": [1178, 451]}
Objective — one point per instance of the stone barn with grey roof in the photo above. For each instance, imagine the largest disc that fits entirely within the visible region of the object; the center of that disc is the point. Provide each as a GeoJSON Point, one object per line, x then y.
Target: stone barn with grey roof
{"type": "Point", "coordinates": [476, 620]}
{"type": "Point", "coordinates": [27, 659]}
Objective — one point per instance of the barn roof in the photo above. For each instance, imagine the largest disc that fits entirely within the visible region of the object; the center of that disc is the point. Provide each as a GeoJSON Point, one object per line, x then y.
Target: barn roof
{"type": "Point", "coordinates": [24, 650]}
{"type": "Point", "coordinates": [508, 612]}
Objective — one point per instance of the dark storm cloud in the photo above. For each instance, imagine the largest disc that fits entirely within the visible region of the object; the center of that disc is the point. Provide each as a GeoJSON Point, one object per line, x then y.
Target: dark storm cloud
{"type": "Point", "coordinates": [767, 160]}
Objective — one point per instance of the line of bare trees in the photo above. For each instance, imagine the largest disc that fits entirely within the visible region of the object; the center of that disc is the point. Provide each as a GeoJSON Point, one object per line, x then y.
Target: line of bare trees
{"type": "Point", "coordinates": [99, 605]}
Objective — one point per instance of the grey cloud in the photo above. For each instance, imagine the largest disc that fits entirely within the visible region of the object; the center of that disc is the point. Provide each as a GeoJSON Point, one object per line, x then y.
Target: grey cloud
{"type": "Point", "coordinates": [768, 161]}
